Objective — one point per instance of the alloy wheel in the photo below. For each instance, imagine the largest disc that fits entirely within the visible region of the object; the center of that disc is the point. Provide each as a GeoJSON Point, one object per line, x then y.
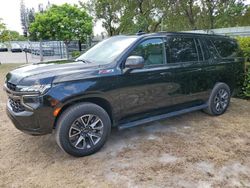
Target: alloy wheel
{"type": "Point", "coordinates": [86, 131]}
{"type": "Point", "coordinates": [221, 100]}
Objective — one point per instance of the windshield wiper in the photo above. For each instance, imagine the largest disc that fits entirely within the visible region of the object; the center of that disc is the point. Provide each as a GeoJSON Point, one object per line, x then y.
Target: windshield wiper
{"type": "Point", "coordinates": [83, 60]}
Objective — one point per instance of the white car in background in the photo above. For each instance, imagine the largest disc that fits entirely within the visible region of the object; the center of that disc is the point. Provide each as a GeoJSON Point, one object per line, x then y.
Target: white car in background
{"type": "Point", "coordinates": [3, 47]}
{"type": "Point", "coordinates": [16, 48]}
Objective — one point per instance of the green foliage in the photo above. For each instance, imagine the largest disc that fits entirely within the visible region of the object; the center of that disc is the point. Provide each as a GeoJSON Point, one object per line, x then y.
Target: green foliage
{"type": "Point", "coordinates": [129, 16]}
{"type": "Point", "coordinates": [65, 22]}
{"type": "Point", "coordinates": [244, 85]}
{"type": "Point", "coordinates": [75, 54]}
{"type": "Point", "coordinates": [244, 43]}
{"type": "Point", "coordinates": [8, 35]}
{"type": "Point", "coordinates": [247, 85]}
{"type": "Point", "coordinates": [2, 26]}
{"type": "Point", "coordinates": [229, 13]}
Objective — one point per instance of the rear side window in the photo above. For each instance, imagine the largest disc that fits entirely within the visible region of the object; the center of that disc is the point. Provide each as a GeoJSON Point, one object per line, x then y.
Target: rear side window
{"type": "Point", "coordinates": [226, 48]}
{"type": "Point", "coordinates": [211, 48]}
{"type": "Point", "coordinates": [181, 49]}
{"type": "Point", "coordinates": [206, 51]}
{"type": "Point", "coordinates": [199, 48]}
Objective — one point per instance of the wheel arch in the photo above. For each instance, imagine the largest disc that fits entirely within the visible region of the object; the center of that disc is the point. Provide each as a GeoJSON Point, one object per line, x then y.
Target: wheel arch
{"type": "Point", "coordinates": [102, 102]}
{"type": "Point", "coordinates": [231, 87]}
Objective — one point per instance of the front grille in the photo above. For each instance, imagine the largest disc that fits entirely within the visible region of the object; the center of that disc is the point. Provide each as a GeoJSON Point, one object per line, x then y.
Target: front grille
{"type": "Point", "coordinates": [16, 105]}
{"type": "Point", "coordinates": [11, 86]}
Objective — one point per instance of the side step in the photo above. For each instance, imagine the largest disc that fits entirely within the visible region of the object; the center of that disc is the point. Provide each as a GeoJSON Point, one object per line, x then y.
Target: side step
{"type": "Point", "coordinates": [160, 117]}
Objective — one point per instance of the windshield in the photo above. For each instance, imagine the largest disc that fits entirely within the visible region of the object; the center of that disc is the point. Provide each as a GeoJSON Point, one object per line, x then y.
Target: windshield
{"type": "Point", "coordinates": [108, 50]}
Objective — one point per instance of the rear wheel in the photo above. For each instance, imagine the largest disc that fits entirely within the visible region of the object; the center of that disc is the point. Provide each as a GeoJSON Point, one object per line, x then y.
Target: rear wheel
{"type": "Point", "coordinates": [83, 129]}
{"type": "Point", "coordinates": [219, 99]}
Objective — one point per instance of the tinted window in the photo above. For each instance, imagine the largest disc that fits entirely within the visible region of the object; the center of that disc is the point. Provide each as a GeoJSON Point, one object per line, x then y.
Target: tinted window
{"type": "Point", "coordinates": [211, 49]}
{"type": "Point", "coordinates": [226, 48]}
{"type": "Point", "coordinates": [206, 52]}
{"type": "Point", "coordinates": [199, 48]}
{"type": "Point", "coordinates": [182, 49]}
{"type": "Point", "coordinates": [152, 51]}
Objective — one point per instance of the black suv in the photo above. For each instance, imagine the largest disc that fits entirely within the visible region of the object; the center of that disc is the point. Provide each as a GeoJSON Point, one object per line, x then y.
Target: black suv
{"type": "Point", "coordinates": [123, 81]}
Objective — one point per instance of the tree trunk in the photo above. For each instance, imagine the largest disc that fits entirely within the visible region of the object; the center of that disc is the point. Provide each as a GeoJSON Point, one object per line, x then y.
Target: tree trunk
{"type": "Point", "coordinates": [67, 48]}
{"type": "Point", "coordinates": [80, 45]}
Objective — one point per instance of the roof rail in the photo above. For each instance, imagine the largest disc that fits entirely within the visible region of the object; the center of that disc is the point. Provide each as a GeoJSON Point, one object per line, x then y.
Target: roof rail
{"type": "Point", "coordinates": [140, 33]}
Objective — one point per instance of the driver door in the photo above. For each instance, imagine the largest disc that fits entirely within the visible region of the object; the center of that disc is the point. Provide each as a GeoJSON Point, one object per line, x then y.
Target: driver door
{"type": "Point", "coordinates": [145, 90]}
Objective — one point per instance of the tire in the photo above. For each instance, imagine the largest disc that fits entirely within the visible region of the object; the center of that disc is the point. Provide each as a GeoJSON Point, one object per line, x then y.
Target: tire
{"type": "Point", "coordinates": [83, 129]}
{"type": "Point", "coordinates": [219, 100]}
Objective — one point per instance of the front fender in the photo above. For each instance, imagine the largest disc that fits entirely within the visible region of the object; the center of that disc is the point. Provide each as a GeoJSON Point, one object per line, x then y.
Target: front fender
{"type": "Point", "coordinates": [65, 94]}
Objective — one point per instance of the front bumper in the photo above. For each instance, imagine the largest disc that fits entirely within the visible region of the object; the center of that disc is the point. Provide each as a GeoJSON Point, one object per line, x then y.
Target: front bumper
{"type": "Point", "coordinates": [38, 121]}
{"type": "Point", "coordinates": [28, 122]}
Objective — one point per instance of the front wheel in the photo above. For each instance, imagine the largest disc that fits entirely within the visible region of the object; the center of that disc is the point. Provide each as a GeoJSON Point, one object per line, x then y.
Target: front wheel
{"type": "Point", "coordinates": [83, 129]}
{"type": "Point", "coordinates": [219, 99]}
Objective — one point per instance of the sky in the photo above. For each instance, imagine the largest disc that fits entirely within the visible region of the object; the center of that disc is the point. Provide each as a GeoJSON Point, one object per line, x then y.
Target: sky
{"type": "Point", "coordinates": [10, 12]}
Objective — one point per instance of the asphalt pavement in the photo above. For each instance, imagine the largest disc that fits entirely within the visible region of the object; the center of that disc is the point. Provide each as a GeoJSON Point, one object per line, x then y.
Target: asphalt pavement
{"type": "Point", "coordinates": [9, 57]}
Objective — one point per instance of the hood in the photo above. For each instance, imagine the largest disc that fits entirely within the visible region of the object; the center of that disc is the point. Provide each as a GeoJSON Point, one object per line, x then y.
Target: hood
{"type": "Point", "coordinates": [52, 72]}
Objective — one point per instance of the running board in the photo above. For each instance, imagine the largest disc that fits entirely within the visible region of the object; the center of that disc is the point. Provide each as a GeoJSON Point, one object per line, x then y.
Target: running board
{"type": "Point", "coordinates": [160, 117]}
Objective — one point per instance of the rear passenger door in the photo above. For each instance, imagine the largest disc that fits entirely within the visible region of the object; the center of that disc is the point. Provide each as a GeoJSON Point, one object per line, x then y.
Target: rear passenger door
{"type": "Point", "coordinates": [185, 58]}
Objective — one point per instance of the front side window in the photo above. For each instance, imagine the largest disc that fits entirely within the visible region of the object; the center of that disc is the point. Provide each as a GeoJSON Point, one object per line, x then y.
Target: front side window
{"type": "Point", "coordinates": [152, 50]}
{"type": "Point", "coordinates": [181, 49]}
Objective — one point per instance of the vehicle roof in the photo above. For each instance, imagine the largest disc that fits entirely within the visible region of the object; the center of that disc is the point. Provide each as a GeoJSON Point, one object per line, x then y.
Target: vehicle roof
{"type": "Point", "coordinates": [180, 33]}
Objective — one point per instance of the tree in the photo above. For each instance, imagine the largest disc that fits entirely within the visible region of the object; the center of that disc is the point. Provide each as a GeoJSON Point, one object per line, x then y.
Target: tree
{"type": "Point", "coordinates": [2, 29]}
{"type": "Point", "coordinates": [31, 15]}
{"type": "Point", "coordinates": [189, 9]}
{"type": "Point", "coordinates": [8, 35]}
{"type": "Point", "coordinates": [130, 16]}
{"type": "Point", "coordinates": [108, 11]}
{"type": "Point", "coordinates": [24, 18]}
{"type": "Point", "coordinates": [149, 13]}
{"type": "Point", "coordinates": [65, 22]}
{"type": "Point", "coordinates": [27, 17]}
{"type": "Point", "coordinates": [244, 19]}
{"type": "Point", "coordinates": [230, 12]}
{"type": "Point", "coordinates": [2, 26]}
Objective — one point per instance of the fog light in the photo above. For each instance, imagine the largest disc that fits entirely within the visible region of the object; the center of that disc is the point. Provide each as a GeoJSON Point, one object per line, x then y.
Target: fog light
{"type": "Point", "coordinates": [31, 101]}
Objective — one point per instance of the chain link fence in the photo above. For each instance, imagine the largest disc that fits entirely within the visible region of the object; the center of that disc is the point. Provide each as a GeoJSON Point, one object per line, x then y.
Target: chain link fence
{"type": "Point", "coordinates": [39, 51]}
{"type": "Point", "coordinates": [53, 50]}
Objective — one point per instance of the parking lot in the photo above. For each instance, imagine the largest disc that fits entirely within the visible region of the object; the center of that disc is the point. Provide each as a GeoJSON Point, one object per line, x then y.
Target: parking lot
{"type": "Point", "coordinates": [9, 57]}
{"type": "Point", "coordinates": [192, 150]}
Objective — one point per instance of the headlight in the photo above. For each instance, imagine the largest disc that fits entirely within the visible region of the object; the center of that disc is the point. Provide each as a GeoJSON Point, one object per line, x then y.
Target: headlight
{"type": "Point", "coordinates": [35, 88]}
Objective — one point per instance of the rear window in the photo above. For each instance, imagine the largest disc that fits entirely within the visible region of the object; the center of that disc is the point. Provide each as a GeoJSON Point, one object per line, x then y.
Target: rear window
{"type": "Point", "coordinates": [226, 48]}
{"type": "Point", "coordinates": [182, 49]}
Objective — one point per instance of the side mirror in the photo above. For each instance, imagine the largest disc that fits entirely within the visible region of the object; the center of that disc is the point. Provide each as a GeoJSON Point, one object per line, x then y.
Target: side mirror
{"type": "Point", "coordinates": [134, 62]}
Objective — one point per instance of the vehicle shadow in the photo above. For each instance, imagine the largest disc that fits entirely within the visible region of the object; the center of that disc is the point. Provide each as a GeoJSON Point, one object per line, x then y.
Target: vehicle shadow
{"type": "Point", "coordinates": [45, 146]}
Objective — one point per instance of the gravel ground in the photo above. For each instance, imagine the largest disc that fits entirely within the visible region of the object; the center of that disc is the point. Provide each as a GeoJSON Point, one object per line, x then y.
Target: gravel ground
{"type": "Point", "coordinates": [192, 150]}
